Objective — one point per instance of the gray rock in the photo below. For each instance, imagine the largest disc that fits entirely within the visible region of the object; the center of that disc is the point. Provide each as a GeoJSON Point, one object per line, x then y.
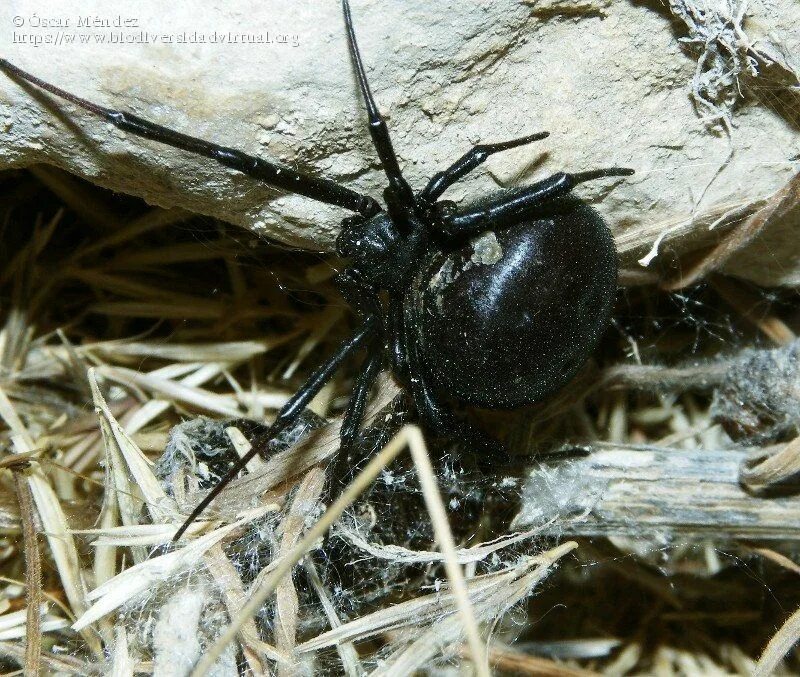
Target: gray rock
{"type": "Point", "coordinates": [609, 80]}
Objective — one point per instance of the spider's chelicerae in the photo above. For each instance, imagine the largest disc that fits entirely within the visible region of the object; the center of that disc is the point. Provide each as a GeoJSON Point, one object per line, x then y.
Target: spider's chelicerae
{"type": "Point", "coordinates": [494, 304]}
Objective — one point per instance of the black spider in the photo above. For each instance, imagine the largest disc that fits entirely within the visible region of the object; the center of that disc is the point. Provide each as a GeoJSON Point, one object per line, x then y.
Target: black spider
{"type": "Point", "coordinates": [496, 321]}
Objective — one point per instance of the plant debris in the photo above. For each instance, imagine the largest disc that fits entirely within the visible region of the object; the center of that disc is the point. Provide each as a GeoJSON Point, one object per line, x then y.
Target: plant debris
{"type": "Point", "coordinates": [139, 361]}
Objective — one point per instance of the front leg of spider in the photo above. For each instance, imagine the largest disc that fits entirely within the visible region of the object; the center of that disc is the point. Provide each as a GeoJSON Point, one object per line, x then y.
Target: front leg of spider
{"type": "Point", "coordinates": [513, 206]}
{"type": "Point", "coordinates": [271, 173]}
{"type": "Point", "coordinates": [399, 196]}
{"type": "Point", "coordinates": [472, 159]}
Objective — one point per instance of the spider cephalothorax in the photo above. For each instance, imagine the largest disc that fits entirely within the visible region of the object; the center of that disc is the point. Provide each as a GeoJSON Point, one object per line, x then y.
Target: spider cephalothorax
{"type": "Point", "coordinates": [495, 304]}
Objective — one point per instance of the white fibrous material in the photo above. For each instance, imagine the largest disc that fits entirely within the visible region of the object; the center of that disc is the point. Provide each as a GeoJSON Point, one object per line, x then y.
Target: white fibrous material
{"type": "Point", "coordinates": [759, 398]}
{"type": "Point", "coordinates": [715, 31]}
{"type": "Point", "coordinates": [726, 54]}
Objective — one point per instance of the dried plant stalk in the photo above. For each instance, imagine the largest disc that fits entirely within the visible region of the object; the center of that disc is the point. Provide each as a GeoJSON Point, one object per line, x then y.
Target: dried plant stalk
{"type": "Point", "coordinates": [644, 490]}
{"type": "Point", "coordinates": [33, 574]}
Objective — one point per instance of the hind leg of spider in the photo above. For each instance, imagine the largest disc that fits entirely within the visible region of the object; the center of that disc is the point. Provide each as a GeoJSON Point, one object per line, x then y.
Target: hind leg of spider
{"type": "Point", "coordinates": [287, 415]}
{"type": "Point", "coordinates": [344, 464]}
{"type": "Point", "coordinates": [473, 158]}
{"type": "Point", "coordinates": [399, 196]}
{"type": "Point", "coordinates": [273, 174]}
{"type": "Point", "coordinates": [513, 206]}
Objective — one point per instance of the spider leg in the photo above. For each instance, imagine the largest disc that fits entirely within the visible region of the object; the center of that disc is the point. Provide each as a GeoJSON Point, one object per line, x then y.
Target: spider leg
{"type": "Point", "coordinates": [473, 158]}
{"type": "Point", "coordinates": [370, 369]}
{"type": "Point", "coordinates": [271, 173]}
{"type": "Point", "coordinates": [512, 207]}
{"type": "Point", "coordinates": [364, 301]}
{"type": "Point", "coordinates": [400, 196]}
{"type": "Point", "coordinates": [288, 413]}
{"type": "Point", "coordinates": [358, 400]}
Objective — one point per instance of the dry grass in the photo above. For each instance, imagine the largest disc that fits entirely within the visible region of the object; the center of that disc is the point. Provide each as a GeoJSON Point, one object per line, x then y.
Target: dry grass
{"type": "Point", "coordinates": [120, 321]}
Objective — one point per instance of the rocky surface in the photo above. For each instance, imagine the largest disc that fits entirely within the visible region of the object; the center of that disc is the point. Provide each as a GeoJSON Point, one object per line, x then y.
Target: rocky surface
{"type": "Point", "coordinates": [611, 81]}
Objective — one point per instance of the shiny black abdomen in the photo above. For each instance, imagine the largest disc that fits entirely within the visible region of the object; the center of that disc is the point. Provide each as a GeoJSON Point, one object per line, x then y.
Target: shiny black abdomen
{"type": "Point", "coordinates": [511, 316]}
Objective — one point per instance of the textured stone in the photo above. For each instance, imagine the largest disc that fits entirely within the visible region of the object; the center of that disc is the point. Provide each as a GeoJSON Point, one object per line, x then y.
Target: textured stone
{"type": "Point", "coordinates": [609, 80]}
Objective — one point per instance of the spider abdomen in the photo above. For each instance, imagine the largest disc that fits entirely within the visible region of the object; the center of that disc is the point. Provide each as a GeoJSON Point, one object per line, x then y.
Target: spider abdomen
{"type": "Point", "coordinates": [512, 315]}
